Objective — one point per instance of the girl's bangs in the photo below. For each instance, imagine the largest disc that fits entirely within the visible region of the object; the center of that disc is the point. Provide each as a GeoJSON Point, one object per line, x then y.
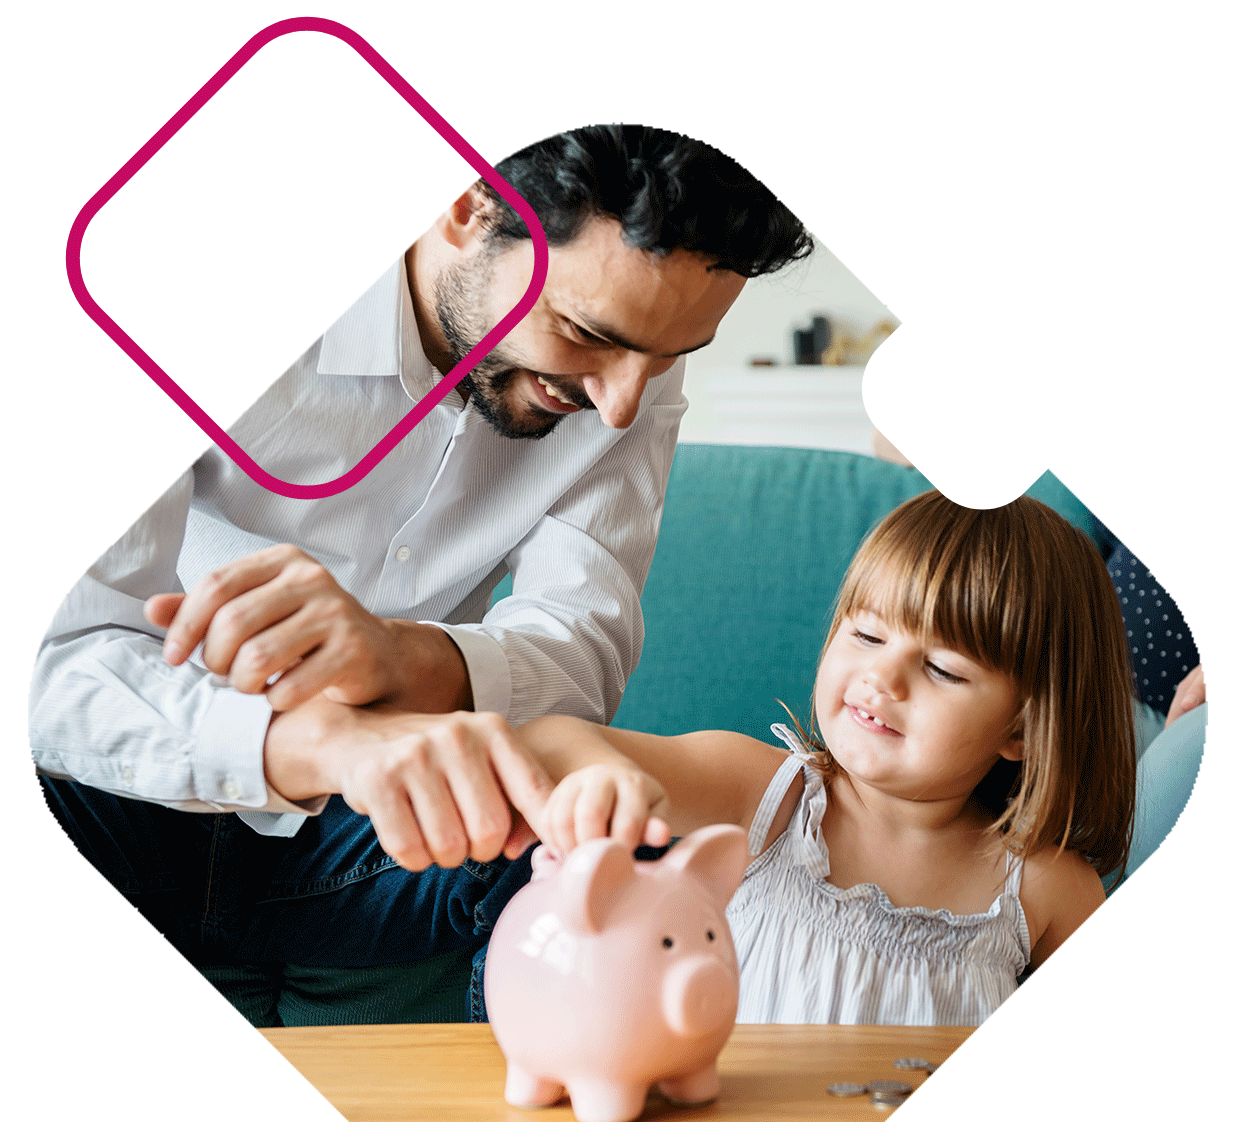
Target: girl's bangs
{"type": "Point", "coordinates": [938, 572]}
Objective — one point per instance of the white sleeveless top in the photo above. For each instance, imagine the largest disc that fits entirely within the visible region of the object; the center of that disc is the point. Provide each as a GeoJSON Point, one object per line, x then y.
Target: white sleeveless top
{"type": "Point", "coordinates": [813, 953]}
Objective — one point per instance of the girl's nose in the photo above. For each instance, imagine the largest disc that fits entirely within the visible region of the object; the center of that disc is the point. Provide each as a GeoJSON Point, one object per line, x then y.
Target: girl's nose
{"type": "Point", "coordinates": [885, 673]}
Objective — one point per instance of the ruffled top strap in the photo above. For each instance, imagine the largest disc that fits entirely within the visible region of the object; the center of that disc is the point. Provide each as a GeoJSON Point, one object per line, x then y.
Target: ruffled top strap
{"type": "Point", "coordinates": [805, 828]}
{"type": "Point", "coordinates": [1014, 874]}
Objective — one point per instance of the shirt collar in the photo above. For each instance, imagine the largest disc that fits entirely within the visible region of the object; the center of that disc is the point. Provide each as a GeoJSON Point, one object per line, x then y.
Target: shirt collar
{"type": "Point", "coordinates": [377, 337]}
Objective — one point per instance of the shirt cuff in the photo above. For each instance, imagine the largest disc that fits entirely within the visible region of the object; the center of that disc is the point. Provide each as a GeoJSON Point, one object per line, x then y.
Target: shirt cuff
{"type": "Point", "coordinates": [229, 772]}
{"type": "Point", "coordinates": [487, 667]}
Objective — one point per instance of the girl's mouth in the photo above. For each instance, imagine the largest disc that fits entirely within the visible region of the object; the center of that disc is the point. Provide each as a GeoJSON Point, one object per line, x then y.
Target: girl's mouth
{"type": "Point", "coordinates": [871, 721]}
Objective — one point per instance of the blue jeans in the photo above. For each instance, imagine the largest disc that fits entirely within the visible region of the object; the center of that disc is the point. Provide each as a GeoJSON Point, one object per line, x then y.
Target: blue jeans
{"type": "Point", "coordinates": [225, 895]}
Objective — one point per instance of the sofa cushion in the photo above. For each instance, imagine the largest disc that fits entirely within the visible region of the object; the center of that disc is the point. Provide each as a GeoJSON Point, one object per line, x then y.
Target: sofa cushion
{"type": "Point", "coordinates": [1166, 777]}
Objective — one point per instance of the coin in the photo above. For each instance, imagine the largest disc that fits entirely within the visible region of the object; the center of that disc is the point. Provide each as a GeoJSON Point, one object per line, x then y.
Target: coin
{"type": "Point", "coordinates": [889, 1087]}
{"type": "Point", "coordinates": [886, 1100]}
{"type": "Point", "coordinates": [912, 1063]}
{"type": "Point", "coordinates": [846, 1090]}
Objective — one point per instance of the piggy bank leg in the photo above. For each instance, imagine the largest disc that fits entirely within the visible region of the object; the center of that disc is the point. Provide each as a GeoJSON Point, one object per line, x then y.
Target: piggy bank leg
{"type": "Point", "coordinates": [524, 1089]}
{"type": "Point", "coordinates": [700, 1086]}
{"type": "Point", "coordinates": [594, 1100]}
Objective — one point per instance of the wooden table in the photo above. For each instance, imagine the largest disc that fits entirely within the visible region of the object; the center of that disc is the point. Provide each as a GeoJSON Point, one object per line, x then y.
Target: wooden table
{"type": "Point", "coordinates": [393, 1073]}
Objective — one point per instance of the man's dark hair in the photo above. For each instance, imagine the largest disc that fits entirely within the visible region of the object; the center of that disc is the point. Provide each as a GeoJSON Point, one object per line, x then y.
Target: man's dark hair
{"type": "Point", "coordinates": [667, 191]}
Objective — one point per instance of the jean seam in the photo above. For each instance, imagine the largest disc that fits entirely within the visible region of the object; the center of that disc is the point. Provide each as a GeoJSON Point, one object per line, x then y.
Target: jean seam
{"type": "Point", "coordinates": [207, 917]}
{"type": "Point", "coordinates": [477, 1011]}
{"type": "Point", "coordinates": [481, 872]}
{"type": "Point", "coordinates": [289, 891]}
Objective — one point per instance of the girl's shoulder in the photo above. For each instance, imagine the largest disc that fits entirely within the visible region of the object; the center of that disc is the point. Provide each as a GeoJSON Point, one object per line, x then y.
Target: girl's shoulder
{"type": "Point", "coordinates": [1051, 869]}
{"type": "Point", "coordinates": [1058, 892]}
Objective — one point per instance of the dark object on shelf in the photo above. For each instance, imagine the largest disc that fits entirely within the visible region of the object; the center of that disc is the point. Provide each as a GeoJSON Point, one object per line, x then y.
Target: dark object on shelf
{"type": "Point", "coordinates": [822, 335]}
{"type": "Point", "coordinates": [811, 344]}
{"type": "Point", "coordinates": [763, 360]}
{"type": "Point", "coordinates": [802, 348]}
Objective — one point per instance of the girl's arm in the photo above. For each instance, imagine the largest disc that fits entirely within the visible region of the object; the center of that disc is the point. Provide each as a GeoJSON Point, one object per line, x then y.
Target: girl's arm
{"type": "Point", "coordinates": [613, 782]}
{"type": "Point", "coordinates": [1060, 890]}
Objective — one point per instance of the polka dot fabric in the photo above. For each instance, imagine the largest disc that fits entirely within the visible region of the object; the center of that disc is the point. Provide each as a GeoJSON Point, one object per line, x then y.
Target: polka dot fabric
{"type": "Point", "coordinates": [1162, 650]}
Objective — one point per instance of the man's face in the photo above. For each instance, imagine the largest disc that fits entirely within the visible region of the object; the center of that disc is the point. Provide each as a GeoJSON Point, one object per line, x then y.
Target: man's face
{"type": "Point", "coordinates": [609, 318]}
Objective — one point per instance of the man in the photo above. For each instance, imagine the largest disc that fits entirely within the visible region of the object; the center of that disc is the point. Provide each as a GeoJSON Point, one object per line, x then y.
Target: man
{"type": "Point", "coordinates": [331, 630]}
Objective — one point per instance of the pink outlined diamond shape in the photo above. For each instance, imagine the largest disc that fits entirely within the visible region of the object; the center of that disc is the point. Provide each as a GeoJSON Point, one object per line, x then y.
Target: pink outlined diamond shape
{"type": "Point", "coordinates": [169, 385]}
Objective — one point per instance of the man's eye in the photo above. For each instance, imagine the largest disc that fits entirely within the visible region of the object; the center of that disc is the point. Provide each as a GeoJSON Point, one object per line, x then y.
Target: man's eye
{"type": "Point", "coordinates": [589, 337]}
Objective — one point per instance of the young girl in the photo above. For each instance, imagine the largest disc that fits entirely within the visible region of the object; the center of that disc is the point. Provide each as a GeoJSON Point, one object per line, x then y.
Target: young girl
{"type": "Point", "coordinates": [971, 778]}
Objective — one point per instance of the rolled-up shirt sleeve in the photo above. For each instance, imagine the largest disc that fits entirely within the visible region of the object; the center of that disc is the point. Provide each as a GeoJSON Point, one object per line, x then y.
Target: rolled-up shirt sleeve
{"type": "Point", "coordinates": [425, 536]}
{"type": "Point", "coordinates": [107, 710]}
{"type": "Point", "coordinates": [570, 634]}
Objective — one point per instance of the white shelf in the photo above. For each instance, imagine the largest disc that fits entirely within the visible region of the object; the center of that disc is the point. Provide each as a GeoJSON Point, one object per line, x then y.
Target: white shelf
{"type": "Point", "coordinates": [797, 406]}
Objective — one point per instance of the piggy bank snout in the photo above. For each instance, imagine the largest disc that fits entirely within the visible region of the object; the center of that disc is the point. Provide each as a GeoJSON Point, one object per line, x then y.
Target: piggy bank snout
{"type": "Point", "coordinates": [699, 995]}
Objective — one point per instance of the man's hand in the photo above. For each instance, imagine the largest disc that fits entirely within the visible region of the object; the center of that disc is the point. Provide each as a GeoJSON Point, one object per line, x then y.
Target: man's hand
{"type": "Point", "coordinates": [278, 612]}
{"type": "Point", "coordinates": [617, 800]}
{"type": "Point", "coordinates": [438, 789]}
{"type": "Point", "coordinates": [1191, 693]}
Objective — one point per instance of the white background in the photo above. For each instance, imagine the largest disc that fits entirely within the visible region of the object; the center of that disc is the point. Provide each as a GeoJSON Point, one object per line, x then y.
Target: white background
{"type": "Point", "coordinates": [1048, 181]}
{"type": "Point", "coordinates": [761, 322]}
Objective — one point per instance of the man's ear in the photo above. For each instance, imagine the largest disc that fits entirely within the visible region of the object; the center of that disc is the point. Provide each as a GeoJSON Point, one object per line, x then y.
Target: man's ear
{"type": "Point", "coordinates": [462, 224]}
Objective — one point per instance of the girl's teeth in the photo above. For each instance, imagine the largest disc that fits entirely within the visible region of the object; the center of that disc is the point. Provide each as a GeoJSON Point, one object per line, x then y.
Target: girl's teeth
{"type": "Point", "coordinates": [871, 717]}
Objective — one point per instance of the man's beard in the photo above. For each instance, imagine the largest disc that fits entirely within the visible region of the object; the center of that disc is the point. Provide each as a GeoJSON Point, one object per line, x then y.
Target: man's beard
{"type": "Point", "coordinates": [488, 384]}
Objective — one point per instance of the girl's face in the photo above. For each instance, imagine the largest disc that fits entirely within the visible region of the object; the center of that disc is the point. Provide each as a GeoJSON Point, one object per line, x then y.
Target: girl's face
{"type": "Point", "coordinates": [917, 721]}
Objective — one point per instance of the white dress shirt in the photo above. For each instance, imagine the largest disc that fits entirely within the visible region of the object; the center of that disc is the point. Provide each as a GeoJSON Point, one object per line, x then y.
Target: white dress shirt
{"type": "Point", "coordinates": [425, 536]}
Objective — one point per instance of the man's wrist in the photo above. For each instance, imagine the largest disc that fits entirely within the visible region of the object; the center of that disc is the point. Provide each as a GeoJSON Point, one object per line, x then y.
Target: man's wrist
{"type": "Point", "coordinates": [432, 674]}
{"type": "Point", "coordinates": [300, 749]}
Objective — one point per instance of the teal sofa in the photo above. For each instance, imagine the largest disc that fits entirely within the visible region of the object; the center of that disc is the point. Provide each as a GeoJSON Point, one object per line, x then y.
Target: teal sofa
{"type": "Point", "coordinates": [752, 549]}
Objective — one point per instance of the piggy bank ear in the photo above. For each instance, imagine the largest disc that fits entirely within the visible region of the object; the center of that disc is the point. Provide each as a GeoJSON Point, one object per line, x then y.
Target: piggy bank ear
{"type": "Point", "coordinates": [590, 883]}
{"type": "Point", "coordinates": [716, 855]}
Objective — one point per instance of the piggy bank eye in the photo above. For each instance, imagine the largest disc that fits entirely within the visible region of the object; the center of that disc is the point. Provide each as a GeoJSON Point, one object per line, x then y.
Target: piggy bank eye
{"type": "Point", "coordinates": [667, 942]}
{"type": "Point", "coordinates": [710, 936]}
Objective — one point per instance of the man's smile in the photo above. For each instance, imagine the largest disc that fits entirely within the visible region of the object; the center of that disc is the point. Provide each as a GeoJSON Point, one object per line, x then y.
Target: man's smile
{"type": "Point", "coordinates": [558, 397]}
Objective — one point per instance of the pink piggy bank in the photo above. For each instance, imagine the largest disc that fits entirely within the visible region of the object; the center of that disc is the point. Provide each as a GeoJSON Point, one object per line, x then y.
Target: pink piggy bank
{"type": "Point", "coordinates": [606, 975]}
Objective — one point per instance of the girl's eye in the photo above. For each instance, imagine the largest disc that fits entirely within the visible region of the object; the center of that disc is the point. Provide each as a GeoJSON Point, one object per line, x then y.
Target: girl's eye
{"type": "Point", "coordinates": [945, 675]}
{"type": "Point", "coordinates": [864, 636]}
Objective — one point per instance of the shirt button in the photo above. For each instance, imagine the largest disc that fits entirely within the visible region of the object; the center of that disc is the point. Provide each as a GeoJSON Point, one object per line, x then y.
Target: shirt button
{"type": "Point", "coordinates": [403, 553]}
{"type": "Point", "coordinates": [231, 788]}
{"type": "Point", "coordinates": [126, 773]}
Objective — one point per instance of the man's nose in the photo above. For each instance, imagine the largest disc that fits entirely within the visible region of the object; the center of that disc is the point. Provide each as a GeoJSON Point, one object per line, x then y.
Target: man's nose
{"type": "Point", "coordinates": [618, 387]}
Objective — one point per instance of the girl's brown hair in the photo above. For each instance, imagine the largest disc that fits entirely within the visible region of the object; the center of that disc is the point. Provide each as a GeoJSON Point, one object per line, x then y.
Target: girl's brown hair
{"type": "Point", "coordinates": [1023, 592]}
